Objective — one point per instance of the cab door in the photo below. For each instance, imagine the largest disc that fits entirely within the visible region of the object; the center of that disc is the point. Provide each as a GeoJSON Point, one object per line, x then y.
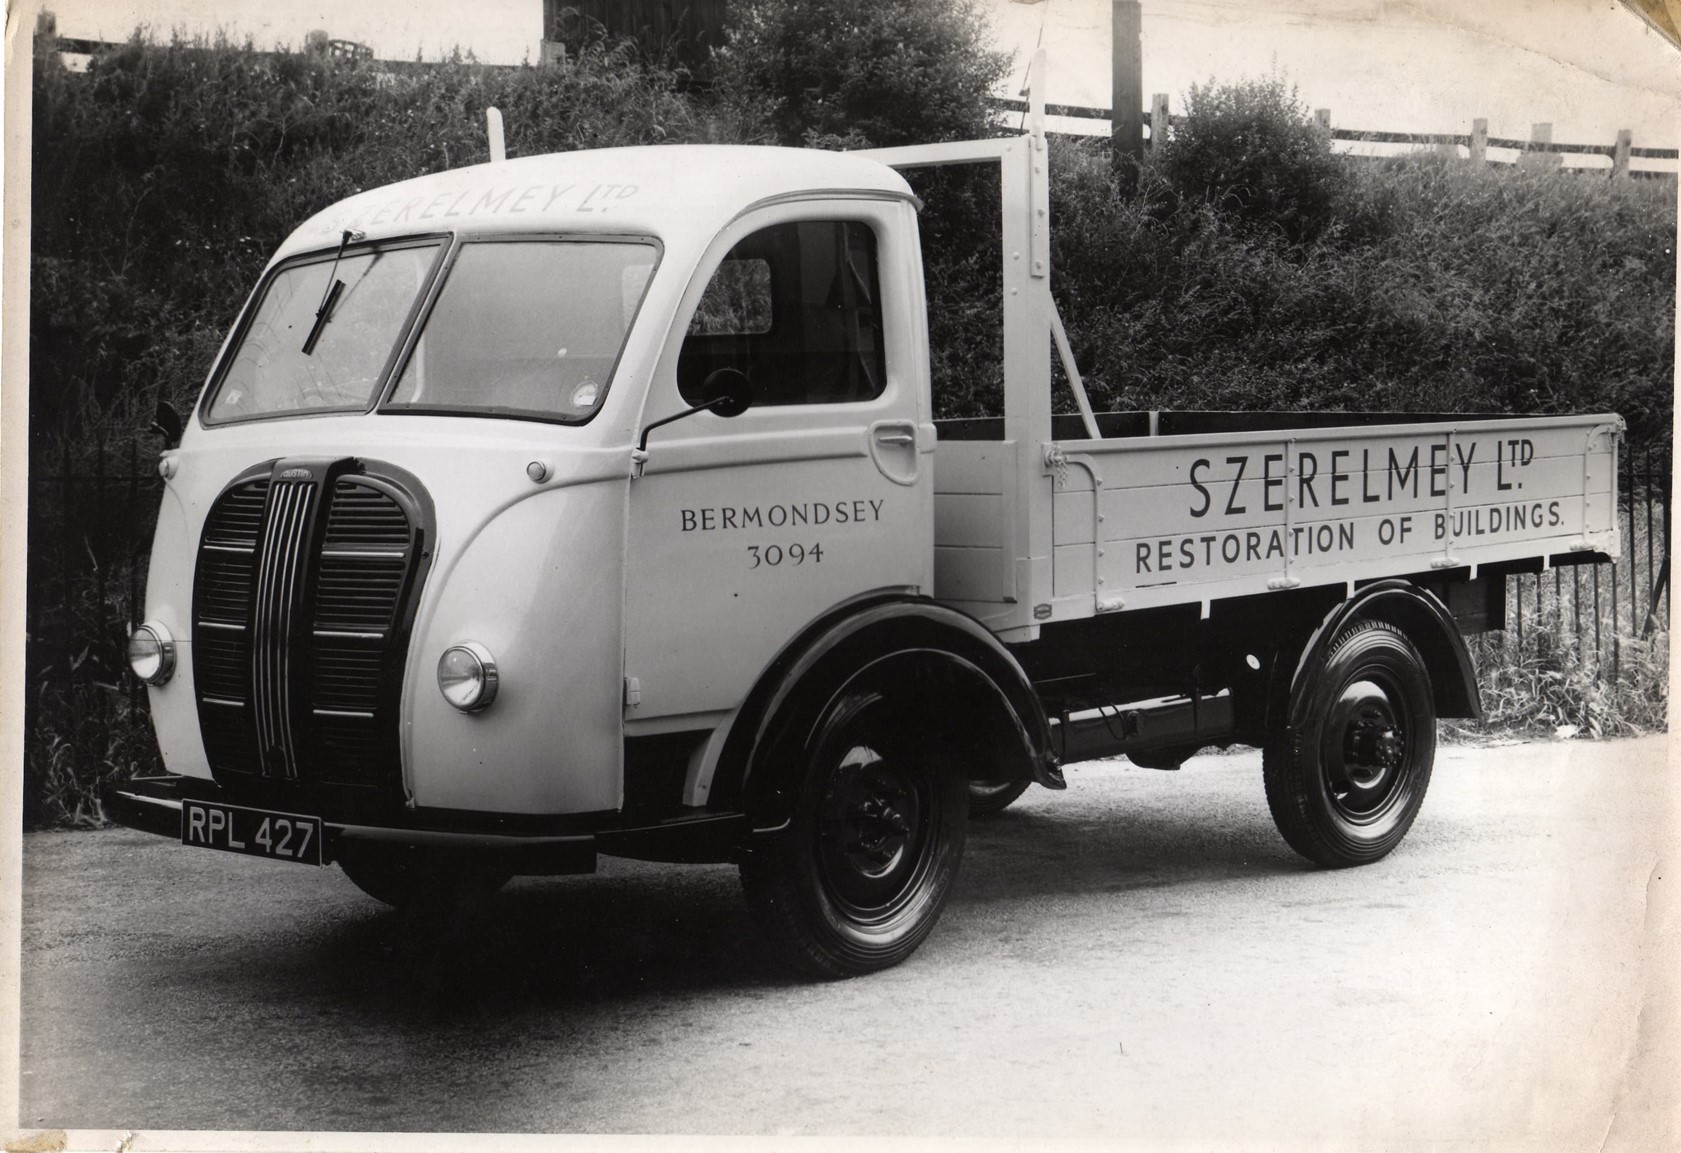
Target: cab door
{"type": "Point", "coordinates": [745, 529]}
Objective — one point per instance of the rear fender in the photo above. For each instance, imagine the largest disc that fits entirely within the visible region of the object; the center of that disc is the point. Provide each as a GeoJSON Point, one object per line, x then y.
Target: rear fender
{"type": "Point", "coordinates": [1425, 621]}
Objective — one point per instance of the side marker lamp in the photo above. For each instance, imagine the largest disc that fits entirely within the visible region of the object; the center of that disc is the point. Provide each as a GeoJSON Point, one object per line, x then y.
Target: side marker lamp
{"type": "Point", "coordinates": [151, 653]}
{"type": "Point", "coordinates": [467, 676]}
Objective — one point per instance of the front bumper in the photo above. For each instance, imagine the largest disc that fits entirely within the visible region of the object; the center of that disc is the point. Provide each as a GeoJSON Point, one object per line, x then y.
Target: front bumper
{"type": "Point", "coordinates": [524, 845]}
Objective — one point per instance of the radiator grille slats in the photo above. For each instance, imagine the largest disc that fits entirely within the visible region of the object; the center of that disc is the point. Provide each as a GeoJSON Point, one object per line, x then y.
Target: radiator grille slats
{"type": "Point", "coordinates": [299, 606]}
{"type": "Point", "coordinates": [365, 560]}
{"type": "Point", "coordinates": [366, 518]}
{"type": "Point", "coordinates": [222, 657]}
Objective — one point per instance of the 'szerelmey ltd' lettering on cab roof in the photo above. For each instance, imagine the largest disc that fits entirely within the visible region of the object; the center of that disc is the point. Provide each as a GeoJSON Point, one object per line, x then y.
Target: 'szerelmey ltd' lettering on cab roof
{"type": "Point", "coordinates": [494, 200]}
{"type": "Point", "coordinates": [779, 515]}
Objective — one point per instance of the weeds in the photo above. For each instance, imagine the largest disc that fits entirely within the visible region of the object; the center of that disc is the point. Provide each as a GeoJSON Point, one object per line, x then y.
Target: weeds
{"type": "Point", "coordinates": [83, 739]}
{"type": "Point", "coordinates": [1548, 690]}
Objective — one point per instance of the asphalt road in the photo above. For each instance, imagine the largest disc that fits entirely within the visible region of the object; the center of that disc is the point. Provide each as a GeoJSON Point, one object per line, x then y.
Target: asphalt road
{"type": "Point", "coordinates": [1138, 958]}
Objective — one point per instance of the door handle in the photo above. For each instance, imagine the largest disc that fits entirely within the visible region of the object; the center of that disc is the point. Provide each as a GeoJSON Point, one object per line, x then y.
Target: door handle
{"type": "Point", "coordinates": [893, 445]}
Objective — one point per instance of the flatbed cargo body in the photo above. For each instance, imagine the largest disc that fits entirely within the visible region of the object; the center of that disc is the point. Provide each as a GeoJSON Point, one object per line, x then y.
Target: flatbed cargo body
{"type": "Point", "coordinates": [1150, 521]}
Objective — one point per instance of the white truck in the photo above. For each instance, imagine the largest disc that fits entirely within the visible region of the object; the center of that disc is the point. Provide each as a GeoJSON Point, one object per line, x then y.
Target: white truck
{"type": "Point", "coordinates": [593, 503]}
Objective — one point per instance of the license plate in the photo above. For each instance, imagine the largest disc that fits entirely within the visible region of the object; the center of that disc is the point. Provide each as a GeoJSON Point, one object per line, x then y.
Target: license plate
{"type": "Point", "coordinates": [254, 832]}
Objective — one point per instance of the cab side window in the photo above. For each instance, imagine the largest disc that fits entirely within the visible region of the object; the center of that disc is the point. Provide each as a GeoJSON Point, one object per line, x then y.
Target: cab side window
{"type": "Point", "coordinates": [797, 307]}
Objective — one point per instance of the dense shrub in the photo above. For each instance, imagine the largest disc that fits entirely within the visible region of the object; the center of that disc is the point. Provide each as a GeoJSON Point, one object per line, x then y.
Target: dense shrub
{"type": "Point", "coordinates": [861, 72]}
{"type": "Point", "coordinates": [1250, 150]}
{"type": "Point", "coordinates": [1437, 286]}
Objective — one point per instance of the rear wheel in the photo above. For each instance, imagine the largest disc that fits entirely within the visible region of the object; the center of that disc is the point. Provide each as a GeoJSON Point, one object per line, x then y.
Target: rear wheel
{"type": "Point", "coordinates": [1345, 788]}
{"type": "Point", "coordinates": [988, 797]}
{"type": "Point", "coordinates": [418, 879]}
{"type": "Point", "coordinates": [860, 875]}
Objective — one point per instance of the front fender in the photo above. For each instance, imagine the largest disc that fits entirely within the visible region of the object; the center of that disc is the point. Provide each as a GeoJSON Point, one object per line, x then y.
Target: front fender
{"type": "Point", "coordinates": [966, 683]}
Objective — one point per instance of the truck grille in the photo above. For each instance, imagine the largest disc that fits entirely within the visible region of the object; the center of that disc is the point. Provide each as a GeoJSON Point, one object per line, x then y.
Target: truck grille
{"type": "Point", "coordinates": [306, 576]}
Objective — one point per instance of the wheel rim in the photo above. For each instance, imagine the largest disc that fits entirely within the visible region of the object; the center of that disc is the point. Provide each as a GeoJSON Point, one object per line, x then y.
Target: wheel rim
{"type": "Point", "coordinates": [1367, 748]}
{"type": "Point", "coordinates": [875, 831]}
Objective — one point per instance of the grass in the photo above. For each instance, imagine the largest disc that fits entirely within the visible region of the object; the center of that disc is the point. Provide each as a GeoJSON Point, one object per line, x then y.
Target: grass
{"type": "Point", "coordinates": [82, 740]}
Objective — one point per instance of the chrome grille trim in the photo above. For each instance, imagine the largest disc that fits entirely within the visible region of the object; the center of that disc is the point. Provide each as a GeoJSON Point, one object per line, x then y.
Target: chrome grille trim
{"type": "Point", "coordinates": [279, 567]}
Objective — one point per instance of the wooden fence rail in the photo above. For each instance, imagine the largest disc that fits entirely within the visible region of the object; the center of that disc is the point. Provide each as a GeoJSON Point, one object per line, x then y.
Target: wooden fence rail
{"type": "Point", "coordinates": [1477, 141]}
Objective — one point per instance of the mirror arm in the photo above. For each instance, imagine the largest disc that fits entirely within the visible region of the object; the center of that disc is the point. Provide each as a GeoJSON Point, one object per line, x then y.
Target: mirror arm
{"type": "Point", "coordinates": [642, 443]}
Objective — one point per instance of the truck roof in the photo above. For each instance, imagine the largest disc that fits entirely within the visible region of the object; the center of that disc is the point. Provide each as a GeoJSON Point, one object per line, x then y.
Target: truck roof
{"type": "Point", "coordinates": [688, 189]}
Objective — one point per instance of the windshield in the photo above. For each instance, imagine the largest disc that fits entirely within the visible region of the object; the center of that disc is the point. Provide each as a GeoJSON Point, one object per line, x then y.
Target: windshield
{"type": "Point", "coordinates": [527, 328]}
{"type": "Point", "coordinates": [350, 332]}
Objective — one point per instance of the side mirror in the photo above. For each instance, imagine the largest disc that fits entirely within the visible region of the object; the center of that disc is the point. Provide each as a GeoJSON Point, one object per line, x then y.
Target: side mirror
{"type": "Point", "coordinates": [167, 424]}
{"type": "Point", "coordinates": [728, 393]}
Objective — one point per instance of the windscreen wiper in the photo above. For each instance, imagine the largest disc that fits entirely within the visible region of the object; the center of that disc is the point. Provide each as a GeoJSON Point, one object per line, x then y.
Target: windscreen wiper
{"type": "Point", "coordinates": [324, 312]}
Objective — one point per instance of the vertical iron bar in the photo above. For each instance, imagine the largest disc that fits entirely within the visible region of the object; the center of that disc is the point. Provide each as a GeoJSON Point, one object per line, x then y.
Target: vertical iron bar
{"type": "Point", "coordinates": [1597, 641]}
{"type": "Point", "coordinates": [1668, 491]}
{"type": "Point", "coordinates": [67, 503]}
{"type": "Point", "coordinates": [1518, 583]}
{"type": "Point", "coordinates": [1651, 564]}
{"type": "Point", "coordinates": [1576, 608]}
{"type": "Point", "coordinates": [1630, 551]}
{"type": "Point", "coordinates": [135, 609]}
{"type": "Point", "coordinates": [1616, 633]}
{"type": "Point", "coordinates": [96, 545]}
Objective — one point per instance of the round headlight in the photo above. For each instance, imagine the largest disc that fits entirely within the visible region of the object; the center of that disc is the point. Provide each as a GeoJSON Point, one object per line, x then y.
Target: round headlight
{"type": "Point", "coordinates": [151, 653]}
{"type": "Point", "coordinates": [467, 676]}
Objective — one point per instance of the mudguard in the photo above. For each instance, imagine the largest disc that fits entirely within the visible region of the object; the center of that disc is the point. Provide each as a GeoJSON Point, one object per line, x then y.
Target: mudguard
{"type": "Point", "coordinates": [961, 680]}
{"type": "Point", "coordinates": [1426, 622]}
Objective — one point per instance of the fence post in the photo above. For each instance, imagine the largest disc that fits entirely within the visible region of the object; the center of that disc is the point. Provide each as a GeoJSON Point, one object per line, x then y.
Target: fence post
{"type": "Point", "coordinates": [1540, 133]}
{"type": "Point", "coordinates": [1479, 140]}
{"type": "Point", "coordinates": [1158, 120]}
{"type": "Point", "coordinates": [1619, 155]}
{"type": "Point", "coordinates": [1126, 84]}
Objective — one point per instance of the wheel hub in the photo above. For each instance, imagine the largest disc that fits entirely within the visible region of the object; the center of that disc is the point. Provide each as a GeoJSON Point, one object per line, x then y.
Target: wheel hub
{"type": "Point", "coordinates": [872, 829]}
{"type": "Point", "coordinates": [1366, 748]}
{"type": "Point", "coordinates": [876, 833]}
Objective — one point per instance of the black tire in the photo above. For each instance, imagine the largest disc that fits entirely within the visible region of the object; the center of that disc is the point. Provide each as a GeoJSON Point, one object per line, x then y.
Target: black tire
{"type": "Point", "coordinates": [989, 797]}
{"type": "Point", "coordinates": [1345, 788]}
{"type": "Point", "coordinates": [860, 875]}
{"type": "Point", "coordinates": [418, 879]}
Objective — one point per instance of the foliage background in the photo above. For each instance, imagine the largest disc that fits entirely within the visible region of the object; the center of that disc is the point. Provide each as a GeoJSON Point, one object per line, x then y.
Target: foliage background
{"type": "Point", "coordinates": [1244, 266]}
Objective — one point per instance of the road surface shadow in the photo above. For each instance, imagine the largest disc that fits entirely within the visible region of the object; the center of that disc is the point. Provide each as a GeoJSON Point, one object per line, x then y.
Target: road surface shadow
{"type": "Point", "coordinates": [1040, 852]}
{"type": "Point", "coordinates": [638, 929]}
{"type": "Point", "coordinates": [557, 940]}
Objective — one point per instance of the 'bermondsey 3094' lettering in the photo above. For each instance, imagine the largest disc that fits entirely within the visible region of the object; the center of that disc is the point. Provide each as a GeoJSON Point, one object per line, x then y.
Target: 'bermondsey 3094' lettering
{"type": "Point", "coordinates": [778, 515]}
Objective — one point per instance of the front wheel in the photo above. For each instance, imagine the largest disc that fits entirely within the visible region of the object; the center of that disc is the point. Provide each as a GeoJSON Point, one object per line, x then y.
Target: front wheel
{"type": "Point", "coordinates": [859, 877]}
{"type": "Point", "coordinates": [1344, 788]}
